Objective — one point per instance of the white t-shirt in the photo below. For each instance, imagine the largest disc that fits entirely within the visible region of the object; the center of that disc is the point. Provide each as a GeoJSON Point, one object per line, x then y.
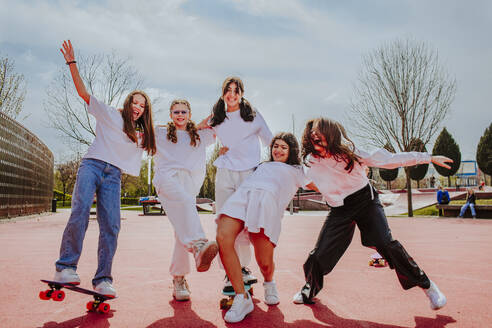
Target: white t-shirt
{"type": "Point", "coordinates": [242, 139]}
{"type": "Point", "coordinates": [281, 179]}
{"type": "Point", "coordinates": [182, 155]}
{"type": "Point", "coordinates": [111, 144]}
{"type": "Point", "coordinates": [335, 183]}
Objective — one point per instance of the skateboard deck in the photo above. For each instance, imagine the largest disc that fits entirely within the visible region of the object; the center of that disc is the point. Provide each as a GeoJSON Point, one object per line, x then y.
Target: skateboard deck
{"type": "Point", "coordinates": [377, 261]}
{"type": "Point", "coordinates": [226, 302]}
{"type": "Point", "coordinates": [57, 294]}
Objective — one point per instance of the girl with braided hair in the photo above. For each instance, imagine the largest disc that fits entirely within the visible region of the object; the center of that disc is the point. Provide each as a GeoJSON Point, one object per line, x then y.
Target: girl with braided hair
{"type": "Point", "coordinates": [179, 173]}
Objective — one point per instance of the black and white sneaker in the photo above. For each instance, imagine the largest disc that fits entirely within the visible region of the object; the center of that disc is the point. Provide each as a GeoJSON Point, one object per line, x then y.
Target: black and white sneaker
{"type": "Point", "coordinates": [248, 277]}
{"type": "Point", "coordinates": [302, 297]}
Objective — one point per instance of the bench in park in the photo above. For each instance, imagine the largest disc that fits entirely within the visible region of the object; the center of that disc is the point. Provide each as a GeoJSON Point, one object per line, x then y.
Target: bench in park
{"type": "Point", "coordinates": [453, 210]}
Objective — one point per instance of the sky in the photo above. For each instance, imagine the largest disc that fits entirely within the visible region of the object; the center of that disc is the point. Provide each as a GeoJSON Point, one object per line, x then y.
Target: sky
{"type": "Point", "coordinates": [297, 59]}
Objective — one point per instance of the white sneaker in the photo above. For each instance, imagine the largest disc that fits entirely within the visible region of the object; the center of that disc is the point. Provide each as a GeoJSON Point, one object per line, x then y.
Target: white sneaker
{"type": "Point", "coordinates": [204, 252]}
{"type": "Point", "coordinates": [299, 297]}
{"type": "Point", "coordinates": [105, 288]}
{"type": "Point", "coordinates": [436, 297]}
{"type": "Point", "coordinates": [248, 277]}
{"type": "Point", "coordinates": [181, 291]}
{"type": "Point", "coordinates": [241, 306]}
{"type": "Point", "coordinates": [271, 293]}
{"type": "Point", "coordinates": [67, 276]}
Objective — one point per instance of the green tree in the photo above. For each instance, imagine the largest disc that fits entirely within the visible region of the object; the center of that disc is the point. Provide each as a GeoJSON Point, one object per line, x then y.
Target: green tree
{"type": "Point", "coordinates": [446, 146]}
{"type": "Point", "coordinates": [388, 175]}
{"type": "Point", "coordinates": [484, 151]}
{"type": "Point", "coordinates": [418, 172]}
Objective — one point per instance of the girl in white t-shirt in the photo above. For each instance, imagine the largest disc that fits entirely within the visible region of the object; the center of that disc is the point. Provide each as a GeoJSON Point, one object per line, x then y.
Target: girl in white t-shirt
{"type": "Point", "coordinates": [239, 128]}
{"type": "Point", "coordinates": [121, 138]}
{"type": "Point", "coordinates": [179, 174]}
{"type": "Point", "coordinates": [258, 207]}
{"type": "Point", "coordinates": [338, 170]}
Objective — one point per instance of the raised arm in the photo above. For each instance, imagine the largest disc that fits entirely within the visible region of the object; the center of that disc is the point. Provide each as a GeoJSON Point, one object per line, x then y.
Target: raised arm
{"type": "Point", "coordinates": [67, 52]}
{"type": "Point", "coordinates": [385, 159]}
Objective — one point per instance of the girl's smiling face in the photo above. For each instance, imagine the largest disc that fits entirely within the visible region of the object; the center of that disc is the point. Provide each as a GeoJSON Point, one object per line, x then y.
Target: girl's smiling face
{"type": "Point", "coordinates": [180, 114]}
{"type": "Point", "coordinates": [137, 106]}
{"type": "Point", "coordinates": [280, 151]}
{"type": "Point", "coordinates": [232, 96]}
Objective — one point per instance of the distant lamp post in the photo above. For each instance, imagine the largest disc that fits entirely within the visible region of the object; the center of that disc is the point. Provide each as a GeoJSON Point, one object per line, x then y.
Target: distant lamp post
{"type": "Point", "coordinates": [149, 167]}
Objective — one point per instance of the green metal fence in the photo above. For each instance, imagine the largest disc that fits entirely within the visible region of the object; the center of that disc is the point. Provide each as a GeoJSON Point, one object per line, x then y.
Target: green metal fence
{"type": "Point", "coordinates": [26, 171]}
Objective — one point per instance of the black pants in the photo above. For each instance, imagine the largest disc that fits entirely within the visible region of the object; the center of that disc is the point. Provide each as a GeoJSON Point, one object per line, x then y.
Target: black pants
{"type": "Point", "coordinates": [364, 209]}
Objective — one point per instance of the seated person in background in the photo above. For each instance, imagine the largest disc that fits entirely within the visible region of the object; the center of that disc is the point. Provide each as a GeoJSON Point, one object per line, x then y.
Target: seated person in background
{"type": "Point", "coordinates": [442, 198]}
{"type": "Point", "coordinates": [470, 202]}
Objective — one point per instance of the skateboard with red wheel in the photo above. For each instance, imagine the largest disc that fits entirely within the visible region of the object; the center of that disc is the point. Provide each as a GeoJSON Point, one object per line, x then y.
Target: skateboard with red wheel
{"type": "Point", "coordinates": [57, 294]}
{"type": "Point", "coordinates": [226, 303]}
{"type": "Point", "coordinates": [377, 261]}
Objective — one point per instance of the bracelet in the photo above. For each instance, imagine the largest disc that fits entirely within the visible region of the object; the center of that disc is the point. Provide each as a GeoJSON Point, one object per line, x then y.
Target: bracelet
{"type": "Point", "coordinates": [71, 62]}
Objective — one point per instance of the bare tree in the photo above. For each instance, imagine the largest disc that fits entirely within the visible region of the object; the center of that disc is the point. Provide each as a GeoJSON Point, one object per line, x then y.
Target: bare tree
{"type": "Point", "coordinates": [12, 88]}
{"type": "Point", "coordinates": [402, 94]}
{"type": "Point", "coordinates": [67, 174]}
{"type": "Point", "coordinates": [108, 77]}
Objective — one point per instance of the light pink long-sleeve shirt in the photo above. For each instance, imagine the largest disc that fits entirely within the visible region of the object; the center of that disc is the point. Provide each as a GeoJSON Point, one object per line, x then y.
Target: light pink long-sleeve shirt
{"type": "Point", "coordinates": [335, 183]}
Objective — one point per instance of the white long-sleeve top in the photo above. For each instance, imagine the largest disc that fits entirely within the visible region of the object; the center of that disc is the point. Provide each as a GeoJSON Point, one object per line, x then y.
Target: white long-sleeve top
{"type": "Point", "coordinates": [335, 183]}
{"type": "Point", "coordinates": [111, 144]}
{"type": "Point", "coordinates": [182, 155]}
{"type": "Point", "coordinates": [243, 140]}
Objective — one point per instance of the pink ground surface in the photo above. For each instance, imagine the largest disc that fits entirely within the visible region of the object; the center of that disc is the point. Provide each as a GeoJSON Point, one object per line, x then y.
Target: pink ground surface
{"type": "Point", "coordinates": [455, 253]}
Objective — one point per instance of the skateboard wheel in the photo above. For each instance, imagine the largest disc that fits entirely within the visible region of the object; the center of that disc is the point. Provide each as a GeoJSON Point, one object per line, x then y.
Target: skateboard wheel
{"type": "Point", "coordinates": [251, 291]}
{"type": "Point", "coordinates": [90, 306]}
{"type": "Point", "coordinates": [371, 262]}
{"type": "Point", "coordinates": [58, 295]}
{"type": "Point", "coordinates": [104, 307]}
{"type": "Point", "coordinates": [44, 295]}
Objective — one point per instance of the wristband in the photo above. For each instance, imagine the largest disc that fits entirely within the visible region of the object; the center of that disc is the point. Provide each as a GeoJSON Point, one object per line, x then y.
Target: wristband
{"type": "Point", "coordinates": [71, 62]}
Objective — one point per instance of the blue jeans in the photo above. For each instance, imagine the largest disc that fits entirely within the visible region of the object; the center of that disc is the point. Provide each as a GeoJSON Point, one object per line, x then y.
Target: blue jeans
{"type": "Point", "coordinates": [472, 208]}
{"type": "Point", "coordinates": [104, 180]}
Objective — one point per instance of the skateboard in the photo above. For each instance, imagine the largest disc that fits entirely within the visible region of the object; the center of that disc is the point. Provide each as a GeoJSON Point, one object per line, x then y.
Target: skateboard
{"type": "Point", "coordinates": [377, 261]}
{"type": "Point", "coordinates": [57, 294]}
{"type": "Point", "coordinates": [226, 302]}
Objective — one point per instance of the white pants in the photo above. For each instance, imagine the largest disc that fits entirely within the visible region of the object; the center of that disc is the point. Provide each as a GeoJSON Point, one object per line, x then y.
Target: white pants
{"type": "Point", "coordinates": [176, 190]}
{"type": "Point", "coordinates": [226, 183]}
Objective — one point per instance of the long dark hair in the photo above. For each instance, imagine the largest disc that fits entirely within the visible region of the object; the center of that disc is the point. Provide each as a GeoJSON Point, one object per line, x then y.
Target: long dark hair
{"type": "Point", "coordinates": [219, 111]}
{"type": "Point", "coordinates": [190, 126]}
{"type": "Point", "coordinates": [291, 141]}
{"type": "Point", "coordinates": [342, 150]}
{"type": "Point", "coordinates": [144, 122]}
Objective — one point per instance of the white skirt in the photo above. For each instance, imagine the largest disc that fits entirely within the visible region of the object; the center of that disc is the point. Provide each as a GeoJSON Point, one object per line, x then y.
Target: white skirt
{"type": "Point", "coordinates": [258, 209]}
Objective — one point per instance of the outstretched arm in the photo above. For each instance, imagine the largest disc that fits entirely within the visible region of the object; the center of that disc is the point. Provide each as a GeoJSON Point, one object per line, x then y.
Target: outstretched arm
{"type": "Point", "coordinates": [385, 159]}
{"type": "Point", "coordinates": [67, 52]}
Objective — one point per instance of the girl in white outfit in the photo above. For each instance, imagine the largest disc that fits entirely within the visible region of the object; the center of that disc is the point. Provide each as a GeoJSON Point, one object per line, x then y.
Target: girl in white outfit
{"type": "Point", "coordinates": [258, 207]}
{"type": "Point", "coordinates": [179, 174]}
{"type": "Point", "coordinates": [338, 170]}
{"type": "Point", "coordinates": [239, 128]}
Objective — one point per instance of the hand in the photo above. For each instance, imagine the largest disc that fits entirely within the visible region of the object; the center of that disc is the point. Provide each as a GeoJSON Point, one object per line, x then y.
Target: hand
{"type": "Point", "coordinates": [441, 160]}
{"type": "Point", "coordinates": [204, 124]}
{"type": "Point", "coordinates": [67, 51]}
{"type": "Point", "coordinates": [223, 150]}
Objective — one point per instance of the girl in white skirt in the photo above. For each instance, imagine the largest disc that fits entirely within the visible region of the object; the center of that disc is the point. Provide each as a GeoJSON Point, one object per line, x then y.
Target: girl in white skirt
{"type": "Point", "coordinates": [239, 128]}
{"type": "Point", "coordinates": [338, 170]}
{"type": "Point", "coordinates": [179, 174]}
{"type": "Point", "coordinates": [257, 207]}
